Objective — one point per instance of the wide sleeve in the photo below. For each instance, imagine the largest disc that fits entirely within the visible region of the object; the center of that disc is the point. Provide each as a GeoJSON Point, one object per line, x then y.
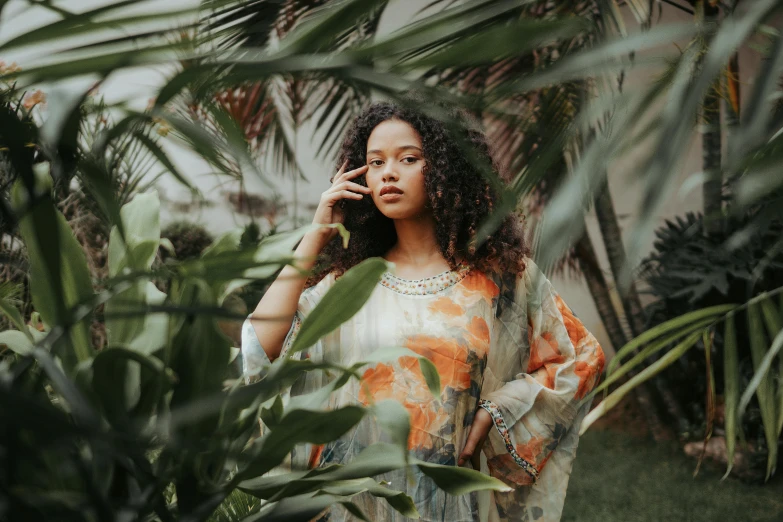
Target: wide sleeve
{"type": "Point", "coordinates": [544, 363]}
{"type": "Point", "coordinates": [254, 358]}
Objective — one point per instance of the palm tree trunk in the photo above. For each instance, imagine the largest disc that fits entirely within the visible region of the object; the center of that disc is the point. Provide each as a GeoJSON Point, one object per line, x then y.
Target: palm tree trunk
{"type": "Point", "coordinates": [731, 106]}
{"type": "Point", "coordinates": [711, 148]}
{"type": "Point", "coordinates": [632, 305]}
{"type": "Point", "coordinates": [711, 161]}
{"type": "Point", "coordinates": [613, 242]}
{"type": "Point", "coordinates": [599, 290]}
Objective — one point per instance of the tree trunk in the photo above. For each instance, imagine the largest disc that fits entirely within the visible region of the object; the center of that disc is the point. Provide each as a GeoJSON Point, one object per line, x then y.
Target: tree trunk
{"type": "Point", "coordinates": [596, 283]}
{"type": "Point", "coordinates": [599, 290]}
{"type": "Point", "coordinates": [711, 148]}
{"type": "Point", "coordinates": [731, 106]}
{"type": "Point", "coordinates": [613, 242]}
{"type": "Point", "coordinates": [612, 237]}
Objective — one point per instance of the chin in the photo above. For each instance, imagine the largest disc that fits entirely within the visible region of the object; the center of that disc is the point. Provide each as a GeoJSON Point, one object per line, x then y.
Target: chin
{"type": "Point", "coordinates": [399, 213]}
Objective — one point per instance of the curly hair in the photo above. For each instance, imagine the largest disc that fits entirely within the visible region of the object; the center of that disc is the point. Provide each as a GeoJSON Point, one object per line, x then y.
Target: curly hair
{"type": "Point", "coordinates": [460, 198]}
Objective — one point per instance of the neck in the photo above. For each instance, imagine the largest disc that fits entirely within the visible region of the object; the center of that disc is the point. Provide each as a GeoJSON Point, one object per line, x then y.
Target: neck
{"type": "Point", "coordinates": [416, 242]}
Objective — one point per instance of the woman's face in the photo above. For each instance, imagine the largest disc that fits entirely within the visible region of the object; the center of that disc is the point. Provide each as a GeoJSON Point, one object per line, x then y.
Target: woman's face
{"type": "Point", "coordinates": [396, 159]}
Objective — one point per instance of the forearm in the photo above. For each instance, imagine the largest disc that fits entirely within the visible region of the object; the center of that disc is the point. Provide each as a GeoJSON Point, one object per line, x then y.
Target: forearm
{"type": "Point", "coordinates": [273, 315]}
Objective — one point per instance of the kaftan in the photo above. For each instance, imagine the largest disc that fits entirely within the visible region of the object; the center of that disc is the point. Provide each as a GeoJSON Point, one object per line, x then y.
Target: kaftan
{"type": "Point", "coordinates": [507, 344]}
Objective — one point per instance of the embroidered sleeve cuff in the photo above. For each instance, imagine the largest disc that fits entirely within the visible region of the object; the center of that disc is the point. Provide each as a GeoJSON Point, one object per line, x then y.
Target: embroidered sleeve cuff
{"type": "Point", "coordinates": [292, 333]}
{"type": "Point", "coordinates": [500, 425]}
{"type": "Point", "coordinates": [254, 358]}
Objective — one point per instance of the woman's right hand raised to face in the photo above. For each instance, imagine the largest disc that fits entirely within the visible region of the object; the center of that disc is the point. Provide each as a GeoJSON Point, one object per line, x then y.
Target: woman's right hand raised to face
{"type": "Point", "coordinates": [329, 211]}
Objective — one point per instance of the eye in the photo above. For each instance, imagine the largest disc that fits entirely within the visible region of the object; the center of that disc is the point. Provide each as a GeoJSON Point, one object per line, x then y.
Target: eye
{"type": "Point", "coordinates": [410, 160]}
{"type": "Point", "coordinates": [376, 163]}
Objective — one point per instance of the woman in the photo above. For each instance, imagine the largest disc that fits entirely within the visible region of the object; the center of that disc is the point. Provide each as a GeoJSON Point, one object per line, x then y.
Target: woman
{"type": "Point", "coordinates": [514, 362]}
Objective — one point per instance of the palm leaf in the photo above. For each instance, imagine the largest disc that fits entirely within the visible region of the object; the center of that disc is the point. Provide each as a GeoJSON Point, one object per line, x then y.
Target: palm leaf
{"type": "Point", "coordinates": [731, 385]}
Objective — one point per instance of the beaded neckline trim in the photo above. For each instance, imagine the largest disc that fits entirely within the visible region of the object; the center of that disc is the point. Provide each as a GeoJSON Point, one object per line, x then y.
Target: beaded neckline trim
{"type": "Point", "coordinates": [426, 286]}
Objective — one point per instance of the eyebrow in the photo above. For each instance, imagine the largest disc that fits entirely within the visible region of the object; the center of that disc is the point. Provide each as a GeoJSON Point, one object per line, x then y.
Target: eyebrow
{"type": "Point", "coordinates": [404, 147]}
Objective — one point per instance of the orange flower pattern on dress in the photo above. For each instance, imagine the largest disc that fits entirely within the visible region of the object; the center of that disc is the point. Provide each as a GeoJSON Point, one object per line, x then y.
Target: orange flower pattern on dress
{"type": "Point", "coordinates": [543, 350]}
{"type": "Point", "coordinates": [477, 283]}
{"type": "Point", "coordinates": [406, 385]}
{"type": "Point", "coordinates": [478, 332]}
{"type": "Point", "coordinates": [446, 306]}
{"type": "Point", "coordinates": [590, 358]}
{"type": "Point", "coordinates": [532, 449]}
{"type": "Point", "coordinates": [453, 357]}
{"type": "Point", "coordinates": [508, 344]}
{"type": "Point", "coordinates": [505, 468]}
{"type": "Point", "coordinates": [564, 364]}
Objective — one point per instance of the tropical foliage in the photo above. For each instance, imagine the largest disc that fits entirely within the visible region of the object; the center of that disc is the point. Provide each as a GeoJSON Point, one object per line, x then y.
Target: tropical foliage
{"type": "Point", "coordinates": [725, 263]}
{"type": "Point", "coordinates": [151, 425]}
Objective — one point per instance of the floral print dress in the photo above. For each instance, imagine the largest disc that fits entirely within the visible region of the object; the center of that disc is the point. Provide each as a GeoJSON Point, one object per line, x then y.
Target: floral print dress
{"type": "Point", "coordinates": [508, 344]}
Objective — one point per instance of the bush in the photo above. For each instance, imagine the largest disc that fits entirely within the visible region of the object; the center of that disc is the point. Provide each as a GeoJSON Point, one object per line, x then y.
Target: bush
{"type": "Point", "coordinates": [690, 271]}
{"type": "Point", "coordinates": [188, 239]}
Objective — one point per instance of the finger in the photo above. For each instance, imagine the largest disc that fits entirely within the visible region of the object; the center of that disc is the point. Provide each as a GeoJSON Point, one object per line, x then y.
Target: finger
{"type": "Point", "coordinates": [355, 173]}
{"type": "Point", "coordinates": [344, 194]}
{"type": "Point", "coordinates": [467, 451]}
{"type": "Point", "coordinates": [340, 171]}
{"type": "Point", "coordinates": [342, 168]}
{"type": "Point", "coordinates": [464, 457]}
{"type": "Point", "coordinates": [355, 187]}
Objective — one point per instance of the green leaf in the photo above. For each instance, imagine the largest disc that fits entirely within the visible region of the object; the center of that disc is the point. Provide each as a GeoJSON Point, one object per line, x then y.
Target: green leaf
{"type": "Point", "coordinates": [295, 509]}
{"type": "Point", "coordinates": [59, 277]}
{"type": "Point", "coordinates": [451, 25]}
{"type": "Point", "coordinates": [393, 418]}
{"type": "Point", "coordinates": [354, 510]}
{"type": "Point", "coordinates": [140, 220]}
{"type": "Point", "coordinates": [117, 378]}
{"type": "Point", "coordinates": [497, 43]}
{"type": "Point", "coordinates": [8, 305]}
{"type": "Point", "coordinates": [616, 396]}
{"type": "Point", "coordinates": [197, 352]}
{"type": "Point", "coordinates": [272, 253]}
{"type": "Point", "coordinates": [297, 426]}
{"type": "Point", "coordinates": [764, 390]}
{"type": "Point", "coordinates": [373, 460]}
{"type": "Point", "coordinates": [428, 369]}
{"type": "Point", "coordinates": [321, 480]}
{"type": "Point", "coordinates": [672, 325]}
{"type": "Point", "coordinates": [431, 376]}
{"type": "Point", "coordinates": [613, 375]}
{"type": "Point", "coordinates": [731, 386]}
{"type": "Point", "coordinates": [346, 297]}
{"type": "Point", "coordinates": [398, 500]}
{"type": "Point", "coordinates": [271, 416]}
{"type": "Point", "coordinates": [456, 480]}
{"type": "Point", "coordinates": [16, 341]}
{"type": "Point", "coordinates": [87, 22]}
{"type": "Point", "coordinates": [774, 326]}
{"type": "Point", "coordinates": [161, 156]}
{"type": "Point", "coordinates": [324, 25]}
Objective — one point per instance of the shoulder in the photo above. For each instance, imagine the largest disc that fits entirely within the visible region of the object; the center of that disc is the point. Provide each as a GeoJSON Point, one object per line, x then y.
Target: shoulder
{"type": "Point", "coordinates": [321, 286]}
{"type": "Point", "coordinates": [515, 288]}
{"type": "Point", "coordinates": [512, 278]}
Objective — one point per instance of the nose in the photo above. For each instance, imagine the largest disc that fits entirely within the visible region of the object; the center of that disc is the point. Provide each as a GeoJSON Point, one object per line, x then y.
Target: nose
{"type": "Point", "coordinates": [389, 173]}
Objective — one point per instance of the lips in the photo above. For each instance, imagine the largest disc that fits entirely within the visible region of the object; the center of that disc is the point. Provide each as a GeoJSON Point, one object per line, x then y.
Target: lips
{"type": "Point", "coordinates": [389, 189]}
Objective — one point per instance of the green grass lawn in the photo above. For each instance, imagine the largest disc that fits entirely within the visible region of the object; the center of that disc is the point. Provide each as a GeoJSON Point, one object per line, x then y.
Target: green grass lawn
{"type": "Point", "coordinates": [620, 477]}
